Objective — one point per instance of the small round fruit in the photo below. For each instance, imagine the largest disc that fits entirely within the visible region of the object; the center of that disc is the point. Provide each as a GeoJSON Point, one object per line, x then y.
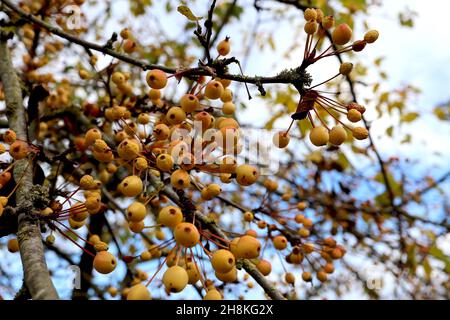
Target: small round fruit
{"type": "Point", "coordinates": [175, 279]}
{"type": "Point", "coordinates": [228, 108]}
{"type": "Point", "coordinates": [180, 179]}
{"type": "Point", "coordinates": [9, 136]}
{"type": "Point", "coordinates": [18, 150]}
{"type": "Point", "coordinates": [104, 262]}
{"type": "Point", "coordinates": [360, 133]}
{"type": "Point", "coordinates": [186, 234]}
{"type": "Point", "coordinates": [307, 276]}
{"type": "Point", "coordinates": [280, 242]}
{"type": "Point", "coordinates": [346, 68]}
{"type": "Point", "coordinates": [213, 294]}
{"type": "Point", "coordinates": [230, 276]}
{"type": "Point", "coordinates": [222, 261]}
{"type": "Point", "coordinates": [247, 247]}
{"type": "Point", "coordinates": [170, 216]}
{"type": "Point", "coordinates": [354, 115]}
{"type": "Point", "coordinates": [371, 36]}
{"type": "Point", "coordinates": [156, 79]}
{"type": "Point", "coordinates": [161, 131]}
{"type": "Point", "coordinates": [338, 135]}
{"type": "Point", "coordinates": [136, 212]}
{"type": "Point", "coordinates": [175, 115]}
{"type": "Point", "coordinates": [341, 34]}
{"type": "Point", "coordinates": [164, 162]}
{"type": "Point", "coordinates": [213, 90]}
{"type": "Point", "coordinates": [189, 103]}
{"type": "Point", "coordinates": [248, 216]}
{"type": "Point", "coordinates": [319, 136]}
{"type": "Point", "coordinates": [322, 276]}
{"type": "Point", "coordinates": [13, 245]}
{"type": "Point", "coordinates": [223, 47]}
{"type": "Point", "coordinates": [289, 278]}
{"type": "Point", "coordinates": [91, 136]}
{"type": "Point", "coordinates": [129, 149]}
{"type": "Point", "coordinates": [246, 174]}
{"type": "Point", "coordinates": [265, 267]}
{"type": "Point", "coordinates": [131, 186]}
{"type": "Point", "coordinates": [138, 292]}
{"type": "Point", "coordinates": [281, 139]}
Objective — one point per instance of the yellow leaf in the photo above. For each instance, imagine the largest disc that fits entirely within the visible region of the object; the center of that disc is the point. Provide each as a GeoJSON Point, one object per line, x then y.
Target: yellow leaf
{"type": "Point", "coordinates": [185, 11]}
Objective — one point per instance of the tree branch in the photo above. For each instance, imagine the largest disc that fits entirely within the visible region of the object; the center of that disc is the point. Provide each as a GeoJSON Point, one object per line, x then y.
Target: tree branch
{"type": "Point", "coordinates": [36, 274]}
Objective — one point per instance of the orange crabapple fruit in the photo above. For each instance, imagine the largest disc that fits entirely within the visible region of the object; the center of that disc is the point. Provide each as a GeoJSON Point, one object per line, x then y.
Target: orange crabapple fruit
{"type": "Point", "coordinates": [248, 216]}
{"type": "Point", "coordinates": [104, 262]}
{"type": "Point", "coordinates": [280, 242]}
{"type": "Point", "coordinates": [9, 136]}
{"type": "Point", "coordinates": [281, 139]}
{"type": "Point", "coordinates": [307, 276]}
{"type": "Point", "coordinates": [13, 245]}
{"type": "Point", "coordinates": [189, 103]}
{"type": "Point", "coordinates": [354, 115]}
{"type": "Point", "coordinates": [19, 150]}
{"type": "Point", "coordinates": [170, 216]}
{"type": "Point", "coordinates": [156, 79]}
{"type": "Point", "coordinates": [222, 261]}
{"type": "Point", "coordinates": [136, 227]}
{"type": "Point", "coordinates": [247, 247]}
{"type": "Point", "coordinates": [186, 234]}
{"type": "Point", "coordinates": [289, 278]}
{"type": "Point", "coordinates": [264, 266]}
{"type": "Point", "coordinates": [213, 90]}
{"type": "Point", "coordinates": [175, 279]}
{"type": "Point", "coordinates": [341, 34]}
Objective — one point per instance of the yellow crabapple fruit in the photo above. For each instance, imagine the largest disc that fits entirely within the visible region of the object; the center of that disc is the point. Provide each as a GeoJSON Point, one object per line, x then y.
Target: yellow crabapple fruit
{"type": "Point", "coordinates": [164, 162]}
{"type": "Point", "coordinates": [229, 277]}
{"type": "Point", "coordinates": [180, 179]}
{"type": "Point", "coordinates": [138, 292]}
{"type": "Point", "coordinates": [13, 245]}
{"type": "Point", "coordinates": [222, 261]}
{"type": "Point", "coordinates": [224, 47]}
{"type": "Point", "coordinates": [136, 212]}
{"type": "Point", "coordinates": [175, 279]}
{"type": "Point", "coordinates": [170, 216]}
{"type": "Point", "coordinates": [213, 90]}
{"type": "Point", "coordinates": [186, 234]}
{"type": "Point", "coordinates": [246, 174]}
{"type": "Point", "coordinates": [156, 79]}
{"type": "Point", "coordinates": [212, 294]}
{"type": "Point", "coordinates": [175, 115]}
{"type": "Point", "coordinates": [248, 247]}
{"type": "Point", "coordinates": [129, 149]}
{"type": "Point", "coordinates": [189, 103]}
{"type": "Point", "coordinates": [371, 36]}
{"type": "Point", "coordinates": [131, 186]}
{"type": "Point", "coordinates": [337, 135]}
{"type": "Point", "coordinates": [360, 133]}
{"type": "Point", "coordinates": [319, 136]}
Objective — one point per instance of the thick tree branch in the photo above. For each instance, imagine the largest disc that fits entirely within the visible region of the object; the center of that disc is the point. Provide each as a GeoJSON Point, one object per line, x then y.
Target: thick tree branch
{"type": "Point", "coordinates": [36, 274]}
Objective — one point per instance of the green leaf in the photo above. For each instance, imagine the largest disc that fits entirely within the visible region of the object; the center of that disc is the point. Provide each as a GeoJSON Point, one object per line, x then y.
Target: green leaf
{"type": "Point", "coordinates": [409, 117]}
{"type": "Point", "coordinates": [185, 11]}
{"type": "Point", "coordinates": [440, 255]}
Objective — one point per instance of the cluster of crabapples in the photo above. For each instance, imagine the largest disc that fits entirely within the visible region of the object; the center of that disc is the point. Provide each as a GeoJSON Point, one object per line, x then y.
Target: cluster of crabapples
{"type": "Point", "coordinates": [136, 143]}
{"type": "Point", "coordinates": [314, 102]}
